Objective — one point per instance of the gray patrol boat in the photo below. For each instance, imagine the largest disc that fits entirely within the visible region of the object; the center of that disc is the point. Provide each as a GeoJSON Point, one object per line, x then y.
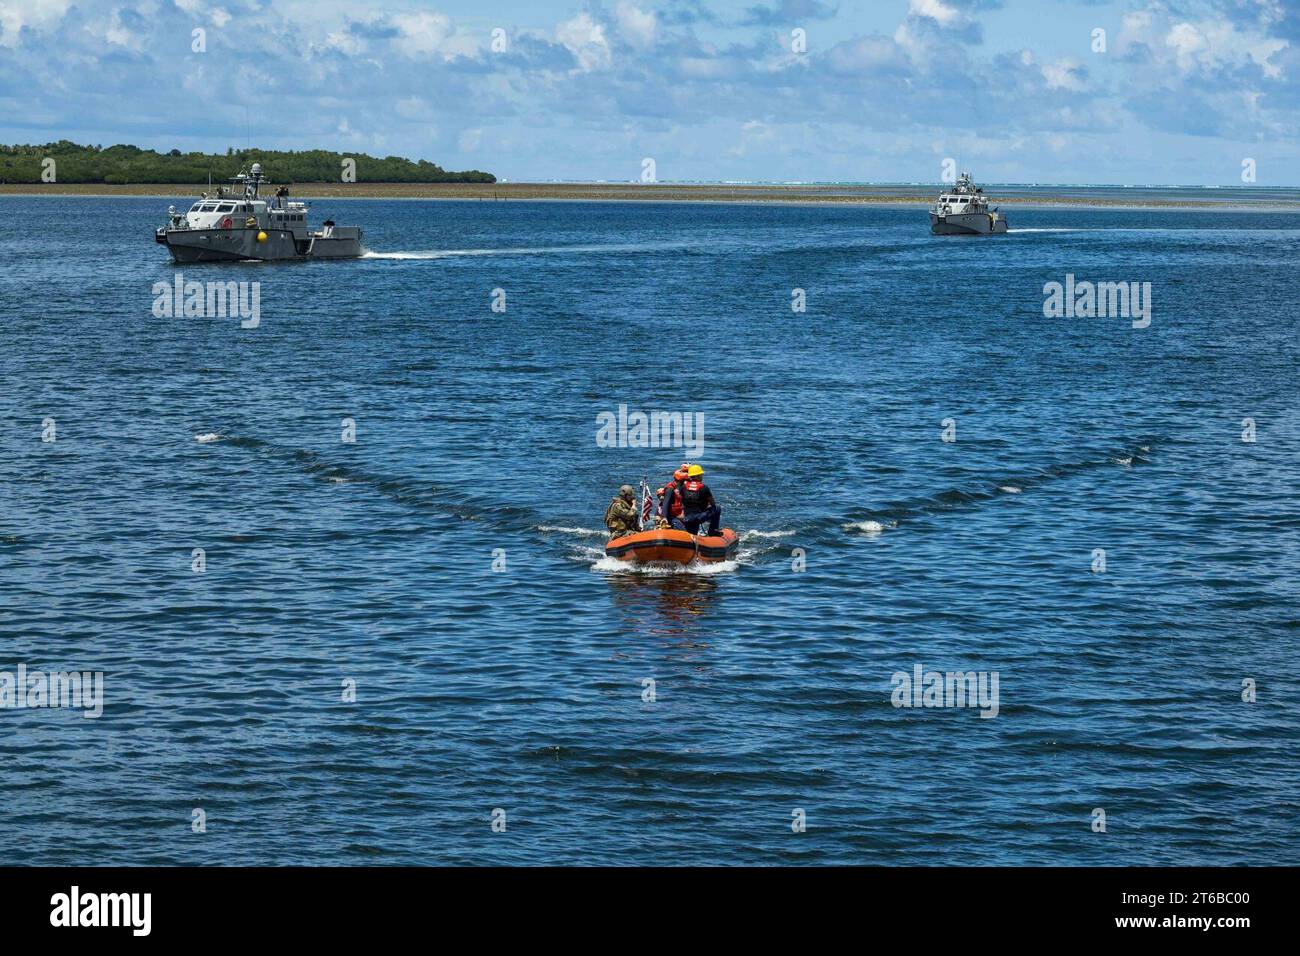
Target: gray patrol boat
{"type": "Point", "coordinates": [235, 224]}
{"type": "Point", "coordinates": [964, 210]}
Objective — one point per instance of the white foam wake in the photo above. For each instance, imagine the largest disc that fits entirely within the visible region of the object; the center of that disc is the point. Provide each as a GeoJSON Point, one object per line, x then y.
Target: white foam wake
{"type": "Point", "coordinates": [523, 251]}
{"type": "Point", "coordinates": [562, 529]}
{"type": "Point", "coordinates": [446, 253]}
{"type": "Point", "coordinates": [608, 565]}
{"type": "Point", "coordinates": [869, 527]}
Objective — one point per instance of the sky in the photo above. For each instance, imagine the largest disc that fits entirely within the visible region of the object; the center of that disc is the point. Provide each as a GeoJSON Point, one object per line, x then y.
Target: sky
{"type": "Point", "coordinates": [1016, 91]}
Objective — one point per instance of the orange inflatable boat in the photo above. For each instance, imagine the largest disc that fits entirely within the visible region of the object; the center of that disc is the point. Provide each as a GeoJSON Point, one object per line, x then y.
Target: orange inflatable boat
{"type": "Point", "coordinates": [670, 546]}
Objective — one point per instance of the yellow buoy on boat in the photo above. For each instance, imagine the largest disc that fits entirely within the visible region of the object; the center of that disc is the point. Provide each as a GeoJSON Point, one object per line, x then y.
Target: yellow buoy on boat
{"type": "Point", "coordinates": [261, 237]}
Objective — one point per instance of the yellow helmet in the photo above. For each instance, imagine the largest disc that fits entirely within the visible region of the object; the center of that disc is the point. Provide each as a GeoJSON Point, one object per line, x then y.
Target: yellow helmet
{"type": "Point", "coordinates": [695, 471]}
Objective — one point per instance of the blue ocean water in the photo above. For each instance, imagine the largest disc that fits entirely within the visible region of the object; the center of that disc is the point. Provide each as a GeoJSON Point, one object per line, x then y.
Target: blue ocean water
{"type": "Point", "coordinates": [522, 690]}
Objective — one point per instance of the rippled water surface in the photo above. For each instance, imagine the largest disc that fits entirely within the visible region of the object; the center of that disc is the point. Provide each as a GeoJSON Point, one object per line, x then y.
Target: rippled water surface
{"type": "Point", "coordinates": [522, 689]}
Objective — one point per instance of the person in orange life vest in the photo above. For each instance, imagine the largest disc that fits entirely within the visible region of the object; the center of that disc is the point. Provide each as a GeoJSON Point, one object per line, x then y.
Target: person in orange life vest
{"type": "Point", "coordinates": [697, 502]}
{"type": "Point", "coordinates": [671, 507]}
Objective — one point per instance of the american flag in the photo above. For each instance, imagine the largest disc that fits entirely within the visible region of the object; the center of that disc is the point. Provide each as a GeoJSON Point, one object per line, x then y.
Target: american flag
{"type": "Point", "coordinates": [648, 504]}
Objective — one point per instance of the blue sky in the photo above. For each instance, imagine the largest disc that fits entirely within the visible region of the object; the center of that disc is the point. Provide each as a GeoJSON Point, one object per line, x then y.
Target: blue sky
{"type": "Point", "coordinates": [885, 90]}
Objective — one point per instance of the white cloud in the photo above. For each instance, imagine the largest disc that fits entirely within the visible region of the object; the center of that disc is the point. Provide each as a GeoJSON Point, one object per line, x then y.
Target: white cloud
{"type": "Point", "coordinates": [422, 34]}
{"type": "Point", "coordinates": [752, 133]}
{"type": "Point", "coordinates": [907, 40]}
{"type": "Point", "coordinates": [1063, 75]}
{"type": "Point", "coordinates": [117, 33]}
{"type": "Point", "coordinates": [1236, 46]}
{"type": "Point", "coordinates": [1186, 41]}
{"type": "Point", "coordinates": [1203, 46]}
{"type": "Point", "coordinates": [216, 16]}
{"type": "Point", "coordinates": [344, 42]}
{"type": "Point", "coordinates": [585, 39]}
{"type": "Point", "coordinates": [1213, 45]}
{"type": "Point", "coordinates": [36, 14]}
{"type": "Point", "coordinates": [865, 54]}
{"type": "Point", "coordinates": [935, 10]}
{"type": "Point", "coordinates": [635, 25]}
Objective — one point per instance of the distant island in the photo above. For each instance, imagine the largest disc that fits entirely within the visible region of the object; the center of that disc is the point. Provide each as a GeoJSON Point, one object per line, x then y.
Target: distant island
{"type": "Point", "coordinates": [124, 165]}
{"type": "Point", "coordinates": [130, 171]}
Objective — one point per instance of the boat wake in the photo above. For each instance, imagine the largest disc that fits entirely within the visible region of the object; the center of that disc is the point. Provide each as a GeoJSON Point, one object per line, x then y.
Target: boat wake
{"type": "Point", "coordinates": [613, 249]}
{"type": "Point", "coordinates": [447, 254]}
{"type": "Point", "coordinates": [1112, 229]}
{"type": "Point", "coordinates": [878, 520]}
{"type": "Point", "coordinates": [584, 545]}
{"type": "Point", "coordinates": [607, 565]}
{"type": "Point", "coordinates": [420, 494]}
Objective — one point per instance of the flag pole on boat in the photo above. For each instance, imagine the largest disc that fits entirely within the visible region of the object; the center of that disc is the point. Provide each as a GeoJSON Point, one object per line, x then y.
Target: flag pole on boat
{"type": "Point", "coordinates": [648, 505]}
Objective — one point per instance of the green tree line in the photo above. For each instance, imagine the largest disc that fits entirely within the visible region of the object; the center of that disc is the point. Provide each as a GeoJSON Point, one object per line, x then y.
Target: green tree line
{"type": "Point", "coordinates": [130, 164]}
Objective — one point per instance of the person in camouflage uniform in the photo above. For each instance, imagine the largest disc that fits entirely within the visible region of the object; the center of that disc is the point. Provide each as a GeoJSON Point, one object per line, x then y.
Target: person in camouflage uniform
{"type": "Point", "coordinates": [621, 515]}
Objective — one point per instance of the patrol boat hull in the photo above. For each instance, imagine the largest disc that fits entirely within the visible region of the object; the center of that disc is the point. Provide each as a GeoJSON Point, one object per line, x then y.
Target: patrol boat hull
{"type": "Point", "coordinates": [233, 245]}
{"type": "Point", "coordinates": [670, 546]}
{"type": "Point", "coordinates": [967, 224]}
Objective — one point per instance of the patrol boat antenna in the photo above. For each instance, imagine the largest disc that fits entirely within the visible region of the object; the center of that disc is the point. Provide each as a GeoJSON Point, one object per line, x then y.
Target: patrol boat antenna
{"type": "Point", "coordinates": [251, 181]}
